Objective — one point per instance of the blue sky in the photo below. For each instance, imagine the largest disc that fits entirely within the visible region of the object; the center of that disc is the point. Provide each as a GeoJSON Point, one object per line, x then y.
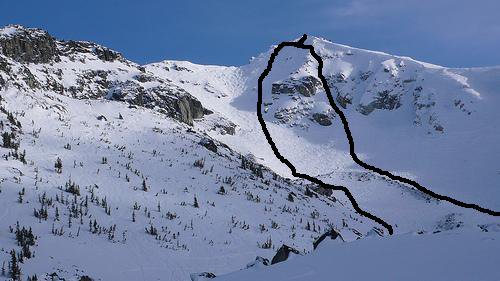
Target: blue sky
{"type": "Point", "coordinates": [452, 33]}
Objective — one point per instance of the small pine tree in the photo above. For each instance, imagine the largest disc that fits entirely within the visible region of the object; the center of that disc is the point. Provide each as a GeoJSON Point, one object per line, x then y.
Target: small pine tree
{"type": "Point", "coordinates": [15, 270]}
{"type": "Point", "coordinates": [57, 214]}
{"type": "Point", "coordinates": [195, 204]}
{"type": "Point", "coordinates": [144, 186]}
{"type": "Point", "coordinates": [290, 197]}
{"type": "Point", "coordinates": [309, 192]}
{"type": "Point", "coordinates": [7, 140]}
{"type": "Point", "coordinates": [222, 190]}
{"type": "Point", "coordinates": [58, 165]}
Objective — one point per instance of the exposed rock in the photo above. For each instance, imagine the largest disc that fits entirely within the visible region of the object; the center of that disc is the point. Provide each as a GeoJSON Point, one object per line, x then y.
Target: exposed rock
{"type": "Point", "coordinates": [173, 101]}
{"type": "Point", "coordinates": [127, 91]}
{"type": "Point", "coordinates": [375, 232]}
{"type": "Point", "coordinates": [85, 278]}
{"type": "Point", "coordinates": [283, 254]}
{"type": "Point", "coordinates": [106, 54]}
{"type": "Point", "coordinates": [4, 65]}
{"type": "Point", "coordinates": [72, 47]}
{"type": "Point", "coordinates": [208, 144]}
{"type": "Point", "coordinates": [29, 45]}
{"type": "Point", "coordinates": [323, 191]}
{"type": "Point", "coordinates": [29, 79]}
{"type": "Point", "coordinates": [102, 117]}
{"type": "Point", "coordinates": [344, 100]}
{"type": "Point", "coordinates": [227, 128]}
{"type": "Point", "coordinates": [383, 100]}
{"type": "Point", "coordinates": [332, 234]}
{"type": "Point", "coordinates": [188, 109]}
{"type": "Point", "coordinates": [202, 276]}
{"type": "Point", "coordinates": [258, 261]}
{"type": "Point", "coordinates": [143, 78]}
{"type": "Point", "coordinates": [306, 86]}
{"type": "Point", "coordinates": [322, 119]}
{"type": "Point", "coordinates": [2, 82]}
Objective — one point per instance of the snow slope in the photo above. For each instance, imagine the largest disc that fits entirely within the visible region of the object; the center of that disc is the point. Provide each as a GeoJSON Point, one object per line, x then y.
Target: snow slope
{"type": "Point", "coordinates": [185, 130]}
{"type": "Point", "coordinates": [132, 170]}
{"type": "Point", "coordinates": [464, 255]}
{"type": "Point", "coordinates": [430, 124]}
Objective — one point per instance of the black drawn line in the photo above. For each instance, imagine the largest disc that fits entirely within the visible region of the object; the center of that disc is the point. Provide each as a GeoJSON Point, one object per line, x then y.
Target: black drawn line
{"type": "Point", "coordinates": [300, 44]}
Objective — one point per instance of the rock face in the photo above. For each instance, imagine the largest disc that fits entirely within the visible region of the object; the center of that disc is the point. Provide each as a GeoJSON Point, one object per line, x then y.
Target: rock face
{"type": "Point", "coordinates": [283, 254]}
{"type": "Point", "coordinates": [202, 276]}
{"type": "Point", "coordinates": [188, 109]}
{"type": "Point", "coordinates": [74, 47]}
{"type": "Point", "coordinates": [173, 101]}
{"type": "Point", "coordinates": [28, 45]}
{"type": "Point", "coordinates": [322, 119]}
{"type": "Point", "coordinates": [97, 72]}
{"type": "Point", "coordinates": [208, 144]}
{"type": "Point", "coordinates": [259, 261]}
{"type": "Point", "coordinates": [306, 86]}
{"type": "Point", "coordinates": [332, 234]}
{"type": "Point", "coordinates": [383, 100]}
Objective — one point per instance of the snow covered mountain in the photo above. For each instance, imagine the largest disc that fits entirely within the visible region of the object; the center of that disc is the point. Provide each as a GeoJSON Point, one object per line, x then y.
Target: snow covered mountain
{"type": "Point", "coordinates": [155, 172]}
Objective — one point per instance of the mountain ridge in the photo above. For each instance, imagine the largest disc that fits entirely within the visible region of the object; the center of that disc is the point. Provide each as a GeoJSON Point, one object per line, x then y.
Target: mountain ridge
{"type": "Point", "coordinates": [176, 169]}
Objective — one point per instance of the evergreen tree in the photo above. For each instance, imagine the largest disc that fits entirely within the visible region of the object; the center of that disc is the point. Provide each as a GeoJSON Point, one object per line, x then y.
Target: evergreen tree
{"type": "Point", "coordinates": [222, 190]}
{"type": "Point", "coordinates": [7, 140]}
{"type": "Point", "coordinates": [195, 204]}
{"type": "Point", "coordinates": [58, 165]}
{"type": "Point", "coordinates": [144, 186]}
{"type": "Point", "coordinates": [15, 270]}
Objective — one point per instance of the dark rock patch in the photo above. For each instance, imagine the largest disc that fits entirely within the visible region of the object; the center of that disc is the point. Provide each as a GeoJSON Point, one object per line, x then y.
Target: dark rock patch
{"type": "Point", "coordinates": [384, 100]}
{"type": "Point", "coordinates": [202, 276]}
{"type": "Point", "coordinates": [332, 234]}
{"type": "Point", "coordinates": [208, 144]}
{"type": "Point", "coordinates": [29, 45]}
{"type": "Point", "coordinates": [258, 261]}
{"type": "Point", "coordinates": [306, 86]}
{"type": "Point", "coordinates": [283, 254]}
{"type": "Point", "coordinates": [322, 119]}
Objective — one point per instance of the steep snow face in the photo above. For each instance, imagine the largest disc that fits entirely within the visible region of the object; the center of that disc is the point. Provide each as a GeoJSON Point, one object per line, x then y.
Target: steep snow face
{"type": "Point", "coordinates": [422, 121]}
{"type": "Point", "coordinates": [431, 122]}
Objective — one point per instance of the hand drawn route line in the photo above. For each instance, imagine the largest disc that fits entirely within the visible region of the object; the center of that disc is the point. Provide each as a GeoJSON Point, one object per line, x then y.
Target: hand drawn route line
{"type": "Point", "coordinates": [300, 44]}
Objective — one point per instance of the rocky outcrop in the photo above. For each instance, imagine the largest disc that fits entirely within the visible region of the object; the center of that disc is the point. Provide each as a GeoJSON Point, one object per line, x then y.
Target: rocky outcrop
{"type": "Point", "coordinates": [202, 276]}
{"type": "Point", "coordinates": [28, 45]}
{"type": "Point", "coordinates": [383, 100]}
{"type": "Point", "coordinates": [284, 253]}
{"type": "Point", "coordinates": [332, 234]}
{"type": "Point", "coordinates": [171, 100]}
{"type": "Point", "coordinates": [259, 261]}
{"type": "Point", "coordinates": [188, 108]}
{"type": "Point", "coordinates": [306, 86]}
{"type": "Point", "coordinates": [208, 144]}
{"type": "Point", "coordinates": [68, 48]}
{"type": "Point", "coordinates": [322, 119]}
